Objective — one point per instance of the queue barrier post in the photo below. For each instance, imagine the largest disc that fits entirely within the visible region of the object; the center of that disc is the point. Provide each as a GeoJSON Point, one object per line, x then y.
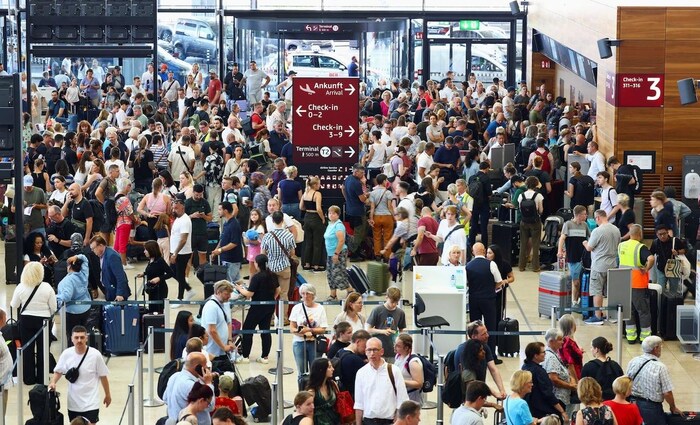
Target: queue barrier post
{"type": "Point", "coordinates": [273, 419]}
{"type": "Point", "coordinates": [2, 409]}
{"type": "Point", "coordinates": [130, 405]}
{"type": "Point", "coordinates": [45, 355]}
{"type": "Point", "coordinates": [20, 385]}
{"type": "Point", "coordinates": [554, 316]}
{"type": "Point", "coordinates": [166, 313]}
{"type": "Point", "coordinates": [618, 353]}
{"type": "Point", "coordinates": [440, 385]}
{"type": "Point", "coordinates": [64, 329]}
{"type": "Point", "coordinates": [139, 374]}
{"type": "Point", "coordinates": [151, 401]}
{"type": "Point", "coordinates": [427, 404]}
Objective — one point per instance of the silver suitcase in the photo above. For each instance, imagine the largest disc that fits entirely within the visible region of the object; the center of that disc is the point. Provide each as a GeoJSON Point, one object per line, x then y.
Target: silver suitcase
{"type": "Point", "coordinates": [554, 290]}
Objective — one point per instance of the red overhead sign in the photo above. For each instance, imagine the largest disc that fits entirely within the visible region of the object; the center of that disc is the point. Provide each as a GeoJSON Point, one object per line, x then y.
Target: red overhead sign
{"type": "Point", "coordinates": [635, 90]}
{"type": "Point", "coordinates": [325, 128]}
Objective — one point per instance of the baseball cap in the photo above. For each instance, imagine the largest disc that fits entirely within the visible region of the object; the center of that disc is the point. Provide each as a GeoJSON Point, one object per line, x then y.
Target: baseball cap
{"type": "Point", "coordinates": [292, 72]}
{"type": "Point", "coordinates": [28, 181]}
{"type": "Point", "coordinates": [76, 241]}
{"type": "Point", "coordinates": [226, 383]}
{"type": "Point", "coordinates": [163, 66]}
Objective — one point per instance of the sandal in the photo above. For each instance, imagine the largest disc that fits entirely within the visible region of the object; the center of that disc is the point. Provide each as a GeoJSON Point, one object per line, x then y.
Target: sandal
{"type": "Point", "coordinates": [332, 298]}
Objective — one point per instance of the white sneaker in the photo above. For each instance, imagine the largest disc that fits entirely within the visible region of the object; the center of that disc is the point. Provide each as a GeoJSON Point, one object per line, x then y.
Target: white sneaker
{"type": "Point", "coordinates": [262, 360]}
{"type": "Point", "coordinates": [175, 306]}
{"type": "Point", "coordinates": [129, 267]}
{"type": "Point", "coordinates": [189, 294]}
{"type": "Point", "coordinates": [243, 360]}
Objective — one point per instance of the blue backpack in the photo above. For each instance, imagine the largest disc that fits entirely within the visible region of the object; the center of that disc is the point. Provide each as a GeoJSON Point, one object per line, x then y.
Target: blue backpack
{"type": "Point", "coordinates": [429, 372]}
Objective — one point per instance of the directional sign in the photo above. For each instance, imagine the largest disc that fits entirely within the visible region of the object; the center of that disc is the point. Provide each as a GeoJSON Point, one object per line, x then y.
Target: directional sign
{"type": "Point", "coordinates": [634, 90]}
{"type": "Point", "coordinates": [325, 123]}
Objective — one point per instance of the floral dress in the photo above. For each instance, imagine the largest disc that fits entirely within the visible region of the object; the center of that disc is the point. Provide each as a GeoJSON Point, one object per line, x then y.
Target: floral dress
{"type": "Point", "coordinates": [603, 415]}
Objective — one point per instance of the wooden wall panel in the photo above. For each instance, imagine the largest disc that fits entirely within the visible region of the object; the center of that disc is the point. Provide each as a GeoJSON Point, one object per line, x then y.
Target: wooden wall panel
{"type": "Point", "coordinates": [683, 24]}
{"type": "Point", "coordinates": [641, 24]}
{"type": "Point", "coordinates": [683, 58]}
{"type": "Point", "coordinates": [681, 123]}
{"type": "Point", "coordinates": [643, 56]}
{"type": "Point", "coordinates": [672, 153]}
{"type": "Point", "coordinates": [633, 125]}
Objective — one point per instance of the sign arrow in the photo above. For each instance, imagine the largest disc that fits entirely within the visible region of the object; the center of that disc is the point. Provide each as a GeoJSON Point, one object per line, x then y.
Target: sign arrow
{"type": "Point", "coordinates": [300, 111]}
{"type": "Point", "coordinates": [351, 152]}
{"type": "Point", "coordinates": [350, 90]}
{"type": "Point", "coordinates": [350, 132]}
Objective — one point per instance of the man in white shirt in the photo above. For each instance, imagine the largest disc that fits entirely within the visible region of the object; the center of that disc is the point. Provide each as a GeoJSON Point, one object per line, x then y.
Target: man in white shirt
{"type": "Point", "coordinates": [181, 249]}
{"type": "Point", "coordinates": [415, 139]}
{"type": "Point", "coordinates": [137, 88]}
{"type": "Point", "coordinates": [274, 205]}
{"type": "Point", "coordinates": [255, 80]}
{"type": "Point", "coordinates": [232, 128]}
{"type": "Point", "coordinates": [121, 116]}
{"type": "Point", "coordinates": [377, 395]}
{"type": "Point", "coordinates": [181, 157]}
{"type": "Point", "coordinates": [170, 88]}
{"type": "Point", "coordinates": [181, 105]}
{"type": "Point", "coordinates": [279, 115]}
{"type": "Point", "coordinates": [509, 103]}
{"type": "Point", "coordinates": [83, 396]}
{"type": "Point", "coordinates": [147, 79]}
{"type": "Point", "coordinates": [596, 158]}
{"type": "Point", "coordinates": [424, 161]}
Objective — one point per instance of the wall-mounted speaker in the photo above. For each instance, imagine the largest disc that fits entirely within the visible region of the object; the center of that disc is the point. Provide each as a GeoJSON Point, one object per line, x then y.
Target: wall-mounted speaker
{"type": "Point", "coordinates": [604, 48]}
{"type": "Point", "coordinates": [686, 89]}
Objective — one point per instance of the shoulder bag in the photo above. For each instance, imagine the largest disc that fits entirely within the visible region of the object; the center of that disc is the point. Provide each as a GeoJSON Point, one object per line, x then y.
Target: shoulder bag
{"type": "Point", "coordinates": [11, 330]}
{"type": "Point", "coordinates": [678, 266]}
{"type": "Point", "coordinates": [73, 373]}
{"type": "Point", "coordinates": [321, 340]}
{"type": "Point", "coordinates": [344, 405]}
{"type": "Point", "coordinates": [293, 266]}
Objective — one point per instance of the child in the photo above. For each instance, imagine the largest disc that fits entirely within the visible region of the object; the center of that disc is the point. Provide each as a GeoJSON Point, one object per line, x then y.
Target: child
{"type": "Point", "coordinates": [256, 225]}
{"type": "Point", "coordinates": [126, 220]}
{"type": "Point", "coordinates": [162, 228]}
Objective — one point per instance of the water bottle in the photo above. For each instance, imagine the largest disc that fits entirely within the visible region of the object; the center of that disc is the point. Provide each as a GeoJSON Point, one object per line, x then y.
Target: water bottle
{"type": "Point", "coordinates": [459, 284]}
{"type": "Point", "coordinates": [453, 281]}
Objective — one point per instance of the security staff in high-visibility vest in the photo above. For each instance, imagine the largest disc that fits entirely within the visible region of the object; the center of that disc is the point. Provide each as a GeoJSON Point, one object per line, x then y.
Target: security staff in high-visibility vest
{"type": "Point", "coordinates": [634, 254]}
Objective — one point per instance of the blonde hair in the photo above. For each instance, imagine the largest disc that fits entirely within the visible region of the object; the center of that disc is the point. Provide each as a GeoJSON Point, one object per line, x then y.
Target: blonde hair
{"type": "Point", "coordinates": [622, 385]}
{"type": "Point", "coordinates": [289, 171]}
{"type": "Point", "coordinates": [32, 274]}
{"type": "Point", "coordinates": [589, 391]}
{"type": "Point", "coordinates": [519, 379]}
{"type": "Point", "coordinates": [623, 199]}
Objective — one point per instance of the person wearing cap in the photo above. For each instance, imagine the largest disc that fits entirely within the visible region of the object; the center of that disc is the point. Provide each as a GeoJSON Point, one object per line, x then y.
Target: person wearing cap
{"type": "Point", "coordinates": [566, 118]}
{"type": "Point", "coordinates": [34, 200]}
{"type": "Point", "coordinates": [285, 88]}
{"type": "Point", "coordinates": [214, 87]}
{"type": "Point", "coordinates": [170, 88]}
{"type": "Point", "coordinates": [163, 74]}
{"type": "Point", "coordinates": [200, 214]}
{"type": "Point", "coordinates": [227, 385]}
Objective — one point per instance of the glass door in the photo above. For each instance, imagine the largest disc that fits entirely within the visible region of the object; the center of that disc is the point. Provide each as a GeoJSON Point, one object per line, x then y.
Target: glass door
{"type": "Point", "coordinates": [446, 57]}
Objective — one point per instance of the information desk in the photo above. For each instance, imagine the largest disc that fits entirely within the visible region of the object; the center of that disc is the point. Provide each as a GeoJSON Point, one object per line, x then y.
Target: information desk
{"type": "Point", "coordinates": [442, 298]}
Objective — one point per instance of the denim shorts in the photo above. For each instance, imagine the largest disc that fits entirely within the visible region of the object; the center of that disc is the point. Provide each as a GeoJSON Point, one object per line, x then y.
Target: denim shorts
{"type": "Point", "coordinates": [575, 270]}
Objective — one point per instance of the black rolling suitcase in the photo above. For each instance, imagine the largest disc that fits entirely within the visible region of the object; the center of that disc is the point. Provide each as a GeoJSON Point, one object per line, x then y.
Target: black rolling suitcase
{"type": "Point", "coordinates": [687, 418]}
{"type": "Point", "coordinates": [507, 236]}
{"type": "Point", "coordinates": [11, 263]}
{"type": "Point", "coordinates": [667, 315]}
{"type": "Point", "coordinates": [157, 321]}
{"type": "Point", "coordinates": [358, 279]}
{"type": "Point", "coordinates": [508, 345]}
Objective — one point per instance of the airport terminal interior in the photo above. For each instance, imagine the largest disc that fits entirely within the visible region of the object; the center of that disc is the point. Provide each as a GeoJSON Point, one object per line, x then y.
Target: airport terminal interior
{"type": "Point", "coordinates": [617, 62]}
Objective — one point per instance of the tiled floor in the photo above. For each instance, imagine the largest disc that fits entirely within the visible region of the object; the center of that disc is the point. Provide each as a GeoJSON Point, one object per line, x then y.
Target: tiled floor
{"type": "Point", "coordinates": [684, 369]}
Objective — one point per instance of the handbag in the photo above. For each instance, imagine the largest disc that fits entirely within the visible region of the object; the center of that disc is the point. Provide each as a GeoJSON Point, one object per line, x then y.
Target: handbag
{"type": "Point", "coordinates": [321, 340]}
{"type": "Point", "coordinates": [293, 267]}
{"type": "Point", "coordinates": [678, 266]}
{"type": "Point", "coordinates": [344, 405]}
{"type": "Point", "coordinates": [73, 373]}
{"type": "Point", "coordinates": [11, 330]}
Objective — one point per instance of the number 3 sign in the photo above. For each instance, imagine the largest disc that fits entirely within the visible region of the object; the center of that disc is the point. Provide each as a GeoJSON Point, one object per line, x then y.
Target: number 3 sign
{"type": "Point", "coordinates": [639, 90]}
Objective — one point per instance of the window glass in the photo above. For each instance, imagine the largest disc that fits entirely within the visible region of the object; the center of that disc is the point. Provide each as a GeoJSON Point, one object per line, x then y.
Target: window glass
{"type": "Point", "coordinates": [328, 62]}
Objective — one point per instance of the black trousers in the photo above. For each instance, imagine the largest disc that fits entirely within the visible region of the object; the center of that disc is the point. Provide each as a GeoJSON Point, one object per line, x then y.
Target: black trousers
{"type": "Point", "coordinates": [258, 316]}
{"type": "Point", "coordinates": [479, 223]}
{"type": "Point", "coordinates": [485, 309]}
{"type": "Point", "coordinates": [179, 272]}
{"type": "Point", "coordinates": [33, 357]}
{"type": "Point", "coordinates": [74, 320]}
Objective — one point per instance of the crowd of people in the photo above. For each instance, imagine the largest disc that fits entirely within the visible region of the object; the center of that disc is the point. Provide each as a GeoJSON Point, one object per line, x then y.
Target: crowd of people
{"type": "Point", "coordinates": [154, 181]}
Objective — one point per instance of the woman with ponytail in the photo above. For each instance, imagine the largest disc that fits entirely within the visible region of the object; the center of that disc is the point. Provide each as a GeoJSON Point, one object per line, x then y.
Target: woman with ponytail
{"type": "Point", "coordinates": [263, 287]}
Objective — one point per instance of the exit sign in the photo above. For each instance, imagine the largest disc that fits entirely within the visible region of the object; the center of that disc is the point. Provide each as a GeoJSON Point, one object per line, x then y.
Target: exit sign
{"type": "Point", "coordinates": [469, 25]}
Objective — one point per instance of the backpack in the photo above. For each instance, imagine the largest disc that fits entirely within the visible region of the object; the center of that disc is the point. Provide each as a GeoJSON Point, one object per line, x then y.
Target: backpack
{"type": "Point", "coordinates": [557, 152]}
{"type": "Point", "coordinates": [337, 363]}
{"type": "Point", "coordinates": [607, 373]}
{"type": "Point", "coordinates": [98, 215]}
{"type": "Point", "coordinates": [585, 190]}
{"type": "Point", "coordinates": [168, 370]}
{"type": "Point", "coordinates": [523, 155]}
{"type": "Point", "coordinates": [45, 405]}
{"type": "Point", "coordinates": [388, 170]}
{"type": "Point", "coordinates": [429, 372]}
{"type": "Point", "coordinates": [452, 394]}
{"type": "Point", "coordinates": [528, 209]}
{"type": "Point", "coordinates": [92, 189]}
{"type": "Point", "coordinates": [194, 120]}
{"type": "Point", "coordinates": [247, 126]}
{"type": "Point", "coordinates": [553, 118]}
{"type": "Point", "coordinates": [546, 165]}
{"type": "Point", "coordinates": [52, 156]}
{"type": "Point", "coordinates": [111, 215]}
{"type": "Point", "coordinates": [476, 191]}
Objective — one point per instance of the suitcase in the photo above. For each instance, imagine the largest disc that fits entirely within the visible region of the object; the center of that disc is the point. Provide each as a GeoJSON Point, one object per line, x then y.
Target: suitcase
{"type": "Point", "coordinates": [496, 203]}
{"type": "Point", "coordinates": [508, 345]}
{"type": "Point", "coordinates": [358, 279]}
{"type": "Point", "coordinates": [675, 419]}
{"type": "Point", "coordinates": [121, 328]}
{"type": "Point", "coordinates": [555, 197]}
{"type": "Point", "coordinates": [667, 315]}
{"type": "Point", "coordinates": [378, 276]}
{"type": "Point", "coordinates": [554, 290]}
{"type": "Point", "coordinates": [211, 273]}
{"type": "Point", "coordinates": [507, 237]}
{"type": "Point", "coordinates": [11, 262]}
{"type": "Point", "coordinates": [586, 299]}
{"type": "Point", "coordinates": [96, 339]}
{"type": "Point", "coordinates": [157, 321]}
{"type": "Point", "coordinates": [505, 214]}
